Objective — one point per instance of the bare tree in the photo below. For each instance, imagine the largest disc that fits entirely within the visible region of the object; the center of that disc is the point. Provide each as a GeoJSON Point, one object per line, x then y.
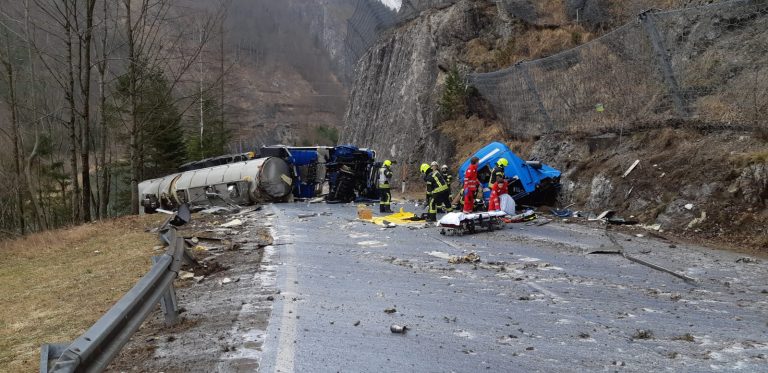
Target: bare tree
{"type": "Point", "coordinates": [6, 59]}
{"type": "Point", "coordinates": [103, 173]}
{"type": "Point", "coordinates": [143, 26]}
{"type": "Point", "coordinates": [84, 67]}
{"type": "Point", "coordinates": [31, 185]}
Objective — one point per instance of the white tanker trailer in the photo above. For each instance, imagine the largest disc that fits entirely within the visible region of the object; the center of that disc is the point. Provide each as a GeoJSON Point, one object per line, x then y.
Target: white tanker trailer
{"type": "Point", "coordinates": [241, 183]}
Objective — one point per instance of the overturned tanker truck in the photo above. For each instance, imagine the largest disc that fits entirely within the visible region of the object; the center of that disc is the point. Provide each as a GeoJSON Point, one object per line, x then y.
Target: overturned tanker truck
{"type": "Point", "coordinates": [273, 174]}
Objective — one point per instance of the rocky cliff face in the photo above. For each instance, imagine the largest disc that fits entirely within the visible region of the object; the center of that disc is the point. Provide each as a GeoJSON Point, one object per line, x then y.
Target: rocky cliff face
{"type": "Point", "coordinates": [695, 182]}
{"type": "Point", "coordinates": [393, 101]}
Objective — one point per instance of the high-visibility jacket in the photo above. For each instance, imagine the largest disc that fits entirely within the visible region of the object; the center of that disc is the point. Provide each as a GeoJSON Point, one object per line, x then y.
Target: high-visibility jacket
{"type": "Point", "coordinates": [497, 174]}
{"type": "Point", "coordinates": [385, 177]}
{"type": "Point", "coordinates": [435, 182]}
{"type": "Point", "coordinates": [470, 177]}
{"type": "Point", "coordinates": [448, 177]}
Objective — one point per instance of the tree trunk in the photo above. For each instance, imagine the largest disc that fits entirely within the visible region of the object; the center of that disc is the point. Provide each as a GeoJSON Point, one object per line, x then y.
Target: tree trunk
{"type": "Point", "coordinates": [85, 84]}
{"type": "Point", "coordinates": [70, 96]}
{"type": "Point", "coordinates": [34, 195]}
{"type": "Point", "coordinates": [104, 180]}
{"type": "Point", "coordinates": [134, 124]}
{"type": "Point", "coordinates": [16, 137]}
{"type": "Point", "coordinates": [31, 185]}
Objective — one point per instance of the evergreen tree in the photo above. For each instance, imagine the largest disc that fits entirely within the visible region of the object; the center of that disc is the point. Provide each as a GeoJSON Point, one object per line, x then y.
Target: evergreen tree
{"type": "Point", "coordinates": [216, 135]}
{"type": "Point", "coordinates": [453, 102]}
{"type": "Point", "coordinates": [162, 143]}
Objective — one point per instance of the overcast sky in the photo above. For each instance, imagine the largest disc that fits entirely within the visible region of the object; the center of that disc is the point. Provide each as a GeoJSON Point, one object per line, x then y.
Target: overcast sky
{"type": "Point", "coordinates": [392, 3]}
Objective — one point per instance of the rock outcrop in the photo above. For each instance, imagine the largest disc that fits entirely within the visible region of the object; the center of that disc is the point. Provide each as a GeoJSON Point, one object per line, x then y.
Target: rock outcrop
{"type": "Point", "coordinates": [393, 101]}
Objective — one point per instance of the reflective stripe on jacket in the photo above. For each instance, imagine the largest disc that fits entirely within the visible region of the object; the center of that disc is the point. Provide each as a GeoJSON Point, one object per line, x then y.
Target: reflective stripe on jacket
{"type": "Point", "coordinates": [435, 182]}
{"type": "Point", "coordinates": [497, 174]}
{"type": "Point", "coordinates": [385, 176]}
{"type": "Point", "coordinates": [470, 177]}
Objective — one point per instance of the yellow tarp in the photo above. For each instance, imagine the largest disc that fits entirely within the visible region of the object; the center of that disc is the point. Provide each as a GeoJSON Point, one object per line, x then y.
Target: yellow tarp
{"type": "Point", "coordinates": [402, 217]}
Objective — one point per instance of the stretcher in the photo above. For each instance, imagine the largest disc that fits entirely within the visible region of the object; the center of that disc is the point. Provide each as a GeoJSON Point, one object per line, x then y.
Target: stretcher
{"type": "Point", "coordinates": [457, 223]}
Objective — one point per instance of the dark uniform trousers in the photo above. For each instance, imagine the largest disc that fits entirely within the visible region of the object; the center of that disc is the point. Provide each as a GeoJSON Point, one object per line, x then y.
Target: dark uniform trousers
{"type": "Point", "coordinates": [437, 194]}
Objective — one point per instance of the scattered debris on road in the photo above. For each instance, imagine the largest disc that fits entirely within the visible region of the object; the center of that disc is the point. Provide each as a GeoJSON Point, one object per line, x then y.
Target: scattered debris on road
{"type": "Point", "coordinates": [218, 210]}
{"type": "Point", "coordinates": [232, 223]}
{"type": "Point", "coordinates": [184, 275]}
{"type": "Point", "coordinates": [398, 329]}
{"type": "Point", "coordinates": [227, 280]}
{"type": "Point", "coordinates": [469, 258]}
{"type": "Point", "coordinates": [364, 213]}
{"type": "Point", "coordinates": [747, 259]}
{"type": "Point", "coordinates": [646, 263]}
{"type": "Point", "coordinates": [642, 334]}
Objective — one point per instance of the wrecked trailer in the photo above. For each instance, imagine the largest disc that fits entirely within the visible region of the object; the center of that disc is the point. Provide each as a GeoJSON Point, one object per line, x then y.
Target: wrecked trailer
{"type": "Point", "coordinates": [241, 183]}
{"type": "Point", "coordinates": [536, 184]}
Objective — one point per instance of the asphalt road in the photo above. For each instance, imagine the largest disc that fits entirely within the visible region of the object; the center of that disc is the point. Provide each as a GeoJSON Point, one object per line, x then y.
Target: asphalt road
{"type": "Point", "coordinates": [536, 301]}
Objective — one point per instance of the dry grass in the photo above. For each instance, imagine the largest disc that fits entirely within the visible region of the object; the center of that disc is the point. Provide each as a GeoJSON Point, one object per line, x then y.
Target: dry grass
{"type": "Point", "coordinates": [552, 12]}
{"type": "Point", "coordinates": [55, 284]}
{"type": "Point", "coordinates": [478, 54]}
{"type": "Point", "coordinates": [537, 43]}
{"type": "Point", "coordinates": [473, 133]}
{"type": "Point", "coordinates": [750, 158]}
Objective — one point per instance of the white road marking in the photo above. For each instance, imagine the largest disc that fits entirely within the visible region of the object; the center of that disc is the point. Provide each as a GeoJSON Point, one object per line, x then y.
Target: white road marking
{"type": "Point", "coordinates": [287, 336]}
{"type": "Point", "coordinates": [546, 292]}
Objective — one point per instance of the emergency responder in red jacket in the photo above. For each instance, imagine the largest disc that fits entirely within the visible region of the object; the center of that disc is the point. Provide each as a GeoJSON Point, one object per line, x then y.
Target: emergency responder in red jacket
{"type": "Point", "coordinates": [470, 185]}
{"type": "Point", "coordinates": [498, 184]}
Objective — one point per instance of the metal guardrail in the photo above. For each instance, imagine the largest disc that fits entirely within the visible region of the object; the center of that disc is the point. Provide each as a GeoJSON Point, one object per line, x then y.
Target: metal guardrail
{"type": "Point", "coordinates": [97, 347]}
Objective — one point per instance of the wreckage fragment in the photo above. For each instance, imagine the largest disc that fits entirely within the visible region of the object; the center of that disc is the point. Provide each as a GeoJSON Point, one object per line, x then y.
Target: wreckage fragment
{"type": "Point", "coordinates": [469, 258]}
{"type": "Point", "coordinates": [398, 329]}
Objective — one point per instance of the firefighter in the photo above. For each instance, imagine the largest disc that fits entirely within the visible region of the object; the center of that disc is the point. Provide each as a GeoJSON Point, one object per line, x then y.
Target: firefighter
{"type": "Point", "coordinates": [470, 185]}
{"type": "Point", "coordinates": [446, 174]}
{"type": "Point", "coordinates": [437, 191]}
{"type": "Point", "coordinates": [498, 171]}
{"type": "Point", "coordinates": [385, 181]}
{"type": "Point", "coordinates": [448, 180]}
{"type": "Point", "coordinates": [498, 184]}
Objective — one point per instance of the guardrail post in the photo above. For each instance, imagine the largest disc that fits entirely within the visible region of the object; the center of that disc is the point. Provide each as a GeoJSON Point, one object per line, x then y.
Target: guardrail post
{"type": "Point", "coordinates": [49, 353]}
{"type": "Point", "coordinates": [168, 303]}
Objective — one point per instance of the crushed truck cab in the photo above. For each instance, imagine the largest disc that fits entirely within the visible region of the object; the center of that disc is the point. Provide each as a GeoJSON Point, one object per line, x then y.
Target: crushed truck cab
{"type": "Point", "coordinates": [537, 183]}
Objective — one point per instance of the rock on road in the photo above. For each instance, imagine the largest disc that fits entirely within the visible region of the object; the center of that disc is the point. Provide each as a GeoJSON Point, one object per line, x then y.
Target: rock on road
{"type": "Point", "coordinates": [536, 301]}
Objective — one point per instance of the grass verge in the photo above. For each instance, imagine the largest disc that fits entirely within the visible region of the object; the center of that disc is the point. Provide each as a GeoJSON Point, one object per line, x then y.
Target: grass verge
{"type": "Point", "coordinates": [55, 285]}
